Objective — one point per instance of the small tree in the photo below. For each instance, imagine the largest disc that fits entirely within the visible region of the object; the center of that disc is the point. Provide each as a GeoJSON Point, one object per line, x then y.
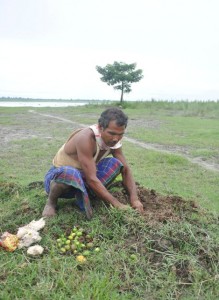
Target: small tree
{"type": "Point", "coordinates": [120, 75]}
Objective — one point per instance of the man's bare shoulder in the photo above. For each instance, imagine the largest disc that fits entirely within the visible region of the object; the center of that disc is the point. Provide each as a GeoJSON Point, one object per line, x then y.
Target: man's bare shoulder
{"type": "Point", "coordinates": [84, 134]}
{"type": "Point", "coordinates": [83, 139]}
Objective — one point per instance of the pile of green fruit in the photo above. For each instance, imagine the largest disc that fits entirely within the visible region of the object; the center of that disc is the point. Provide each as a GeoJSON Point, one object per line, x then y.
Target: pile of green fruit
{"type": "Point", "coordinates": [78, 242]}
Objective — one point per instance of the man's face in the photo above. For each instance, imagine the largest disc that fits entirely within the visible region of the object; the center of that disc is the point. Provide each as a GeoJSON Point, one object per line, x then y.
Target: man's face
{"type": "Point", "coordinates": [112, 134]}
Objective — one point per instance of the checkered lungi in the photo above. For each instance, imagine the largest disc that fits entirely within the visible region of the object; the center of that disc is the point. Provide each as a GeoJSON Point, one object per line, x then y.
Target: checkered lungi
{"type": "Point", "coordinates": [107, 170]}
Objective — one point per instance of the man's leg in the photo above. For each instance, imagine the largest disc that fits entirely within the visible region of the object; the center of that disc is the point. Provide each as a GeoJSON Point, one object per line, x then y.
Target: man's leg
{"type": "Point", "coordinates": [66, 182]}
{"type": "Point", "coordinates": [56, 190]}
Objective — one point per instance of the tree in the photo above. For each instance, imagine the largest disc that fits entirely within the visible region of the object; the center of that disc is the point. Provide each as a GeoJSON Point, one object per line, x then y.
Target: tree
{"type": "Point", "coordinates": [120, 75]}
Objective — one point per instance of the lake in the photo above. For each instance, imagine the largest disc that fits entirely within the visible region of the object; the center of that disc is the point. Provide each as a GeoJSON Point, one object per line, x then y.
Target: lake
{"type": "Point", "coordinates": [40, 104]}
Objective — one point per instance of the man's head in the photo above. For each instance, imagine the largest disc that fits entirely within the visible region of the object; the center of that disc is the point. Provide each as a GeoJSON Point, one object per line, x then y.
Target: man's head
{"type": "Point", "coordinates": [112, 124]}
{"type": "Point", "coordinates": [112, 114]}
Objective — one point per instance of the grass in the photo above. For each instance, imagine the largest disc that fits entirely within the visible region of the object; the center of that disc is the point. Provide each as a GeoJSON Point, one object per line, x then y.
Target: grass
{"type": "Point", "coordinates": [174, 260]}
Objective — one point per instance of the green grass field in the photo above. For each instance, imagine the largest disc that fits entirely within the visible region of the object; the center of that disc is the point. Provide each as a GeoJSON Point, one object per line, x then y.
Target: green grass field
{"type": "Point", "coordinates": [173, 260]}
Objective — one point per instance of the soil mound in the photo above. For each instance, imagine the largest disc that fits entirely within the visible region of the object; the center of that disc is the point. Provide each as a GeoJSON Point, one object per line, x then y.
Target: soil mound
{"type": "Point", "coordinates": [157, 207]}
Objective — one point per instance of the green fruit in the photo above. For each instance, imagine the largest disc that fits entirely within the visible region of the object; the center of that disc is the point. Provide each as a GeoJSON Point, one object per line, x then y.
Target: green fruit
{"type": "Point", "coordinates": [68, 242]}
{"type": "Point", "coordinates": [67, 247]}
{"type": "Point", "coordinates": [58, 240]}
{"type": "Point", "coordinates": [97, 249]}
{"type": "Point", "coordinates": [79, 233]}
{"type": "Point", "coordinates": [86, 253]}
{"type": "Point", "coordinates": [63, 250]}
{"type": "Point", "coordinates": [90, 245]}
{"type": "Point", "coordinates": [73, 247]}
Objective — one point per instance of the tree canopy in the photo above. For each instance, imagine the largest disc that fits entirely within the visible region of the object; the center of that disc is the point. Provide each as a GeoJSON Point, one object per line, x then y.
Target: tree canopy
{"type": "Point", "coordinates": [120, 75]}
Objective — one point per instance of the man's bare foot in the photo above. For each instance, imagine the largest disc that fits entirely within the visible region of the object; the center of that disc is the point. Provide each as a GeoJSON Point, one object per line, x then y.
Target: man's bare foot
{"type": "Point", "coordinates": [49, 211]}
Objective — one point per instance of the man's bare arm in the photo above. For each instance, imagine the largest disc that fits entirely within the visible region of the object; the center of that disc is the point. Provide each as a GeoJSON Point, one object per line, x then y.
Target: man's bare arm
{"type": "Point", "coordinates": [85, 146]}
{"type": "Point", "coordinates": [128, 181]}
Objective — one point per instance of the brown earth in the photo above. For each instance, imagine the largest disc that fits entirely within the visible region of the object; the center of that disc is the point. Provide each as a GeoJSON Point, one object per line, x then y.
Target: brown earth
{"type": "Point", "coordinates": [157, 208]}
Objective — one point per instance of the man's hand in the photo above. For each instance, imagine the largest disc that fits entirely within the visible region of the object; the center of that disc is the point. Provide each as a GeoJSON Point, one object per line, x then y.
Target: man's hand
{"type": "Point", "coordinates": [137, 205]}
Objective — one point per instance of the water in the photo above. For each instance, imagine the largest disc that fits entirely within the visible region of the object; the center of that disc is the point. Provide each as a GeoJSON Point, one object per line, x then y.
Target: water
{"type": "Point", "coordinates": [40, 104]}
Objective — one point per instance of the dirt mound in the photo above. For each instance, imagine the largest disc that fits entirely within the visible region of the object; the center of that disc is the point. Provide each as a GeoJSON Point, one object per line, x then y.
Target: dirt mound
{"type": "Point", "coordinates": [157, 207]}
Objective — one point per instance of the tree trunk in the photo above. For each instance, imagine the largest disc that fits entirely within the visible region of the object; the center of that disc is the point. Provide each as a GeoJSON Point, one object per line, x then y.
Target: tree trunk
{"type": "Point", "coordinates": [121, 99]}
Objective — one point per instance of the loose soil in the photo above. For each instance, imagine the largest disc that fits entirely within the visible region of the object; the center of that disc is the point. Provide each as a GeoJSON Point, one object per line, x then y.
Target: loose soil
{"type": "Point", "coordinates": [157, 208]}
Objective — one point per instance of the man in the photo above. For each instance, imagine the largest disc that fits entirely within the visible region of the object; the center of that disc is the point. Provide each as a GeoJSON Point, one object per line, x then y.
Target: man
{"type": "Point", "coordinates": [81, 166]}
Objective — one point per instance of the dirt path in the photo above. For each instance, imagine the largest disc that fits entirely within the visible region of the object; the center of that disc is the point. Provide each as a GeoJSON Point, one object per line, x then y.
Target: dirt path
{"type": "Point", "coordinates": [155, 147]}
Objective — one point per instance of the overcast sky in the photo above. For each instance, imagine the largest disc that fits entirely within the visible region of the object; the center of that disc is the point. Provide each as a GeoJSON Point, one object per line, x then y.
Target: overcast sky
{"type": "Point", "coordinates": [50, 48]}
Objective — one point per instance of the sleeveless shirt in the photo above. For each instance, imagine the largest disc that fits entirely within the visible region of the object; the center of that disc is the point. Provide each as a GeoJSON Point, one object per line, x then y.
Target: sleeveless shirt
{"type": "Point", "coordinates": [63, 159]}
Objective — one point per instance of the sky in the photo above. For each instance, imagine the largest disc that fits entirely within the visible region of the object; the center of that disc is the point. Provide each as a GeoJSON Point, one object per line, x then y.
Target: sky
{"type": "Point", "coordinates": [49, 49]}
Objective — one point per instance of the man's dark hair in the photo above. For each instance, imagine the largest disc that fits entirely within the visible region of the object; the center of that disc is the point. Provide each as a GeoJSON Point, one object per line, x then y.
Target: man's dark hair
{"type": "Point", "coordinates": [113, 114]}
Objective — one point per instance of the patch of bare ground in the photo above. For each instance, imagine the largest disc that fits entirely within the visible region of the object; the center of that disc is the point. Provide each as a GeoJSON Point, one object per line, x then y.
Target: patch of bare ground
{"type": "Point", "coordinates": [157, 208]}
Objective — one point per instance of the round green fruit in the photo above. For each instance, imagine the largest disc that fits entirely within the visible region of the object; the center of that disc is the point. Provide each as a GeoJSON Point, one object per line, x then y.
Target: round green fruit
{"type": "Point", "coordinates": [86, 252]}
{"type": "Point", "coordinates": [90, 245]}
{"type": "Point", "coordinates": [73, 247]}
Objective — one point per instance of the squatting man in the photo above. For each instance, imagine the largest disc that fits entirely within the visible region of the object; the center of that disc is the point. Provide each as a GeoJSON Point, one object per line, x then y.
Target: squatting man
{"type": "Point", "coordinates": [88, 162]}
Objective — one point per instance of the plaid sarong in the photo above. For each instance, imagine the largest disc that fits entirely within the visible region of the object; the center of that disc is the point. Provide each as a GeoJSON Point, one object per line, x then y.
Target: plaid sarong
{"type": "Point", "coordinates": [107, 170]}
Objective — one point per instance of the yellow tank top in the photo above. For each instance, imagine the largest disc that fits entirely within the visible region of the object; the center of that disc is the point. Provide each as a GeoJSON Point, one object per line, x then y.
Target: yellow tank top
{"type": "Point", "coordinates": [63, 159]}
